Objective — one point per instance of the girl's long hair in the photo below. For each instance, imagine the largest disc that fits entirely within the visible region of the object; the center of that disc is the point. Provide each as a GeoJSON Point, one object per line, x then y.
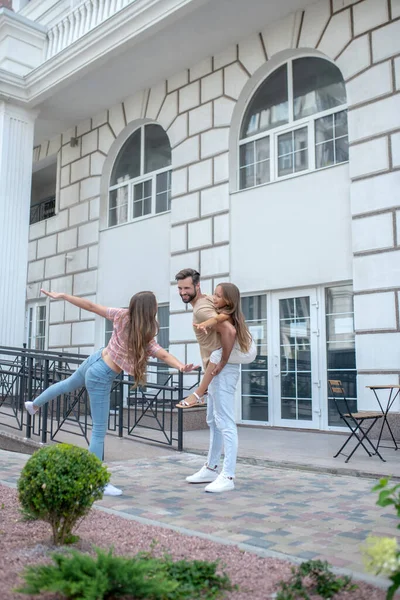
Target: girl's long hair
{"type": "Point", "coordinates": [233, 308]}
{"type": "Point", "coordinates": [143, 327]}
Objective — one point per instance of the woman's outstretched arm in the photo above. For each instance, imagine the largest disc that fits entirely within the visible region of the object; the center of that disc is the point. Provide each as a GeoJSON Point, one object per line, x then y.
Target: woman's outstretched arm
{"type": "Point", "coordinates": [80, 302]}
{"type": "Point", "coordinates": [172, 361]}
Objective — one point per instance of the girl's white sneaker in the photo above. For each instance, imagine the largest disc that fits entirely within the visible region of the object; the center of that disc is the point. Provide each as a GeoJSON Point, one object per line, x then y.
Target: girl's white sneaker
{"type": "Point", "coordinates": [221, 484]}
{"type": "Point", "coordinates": [205, 475]}
{"type": "Point", "coordinates": [111, 490]}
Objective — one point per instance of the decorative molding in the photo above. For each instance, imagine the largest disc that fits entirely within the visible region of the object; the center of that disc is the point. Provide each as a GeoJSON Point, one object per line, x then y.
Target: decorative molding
{"type": "Point", "coordinates": [21, 43]}
{"type": "Point", "coordinates": [134, 21]}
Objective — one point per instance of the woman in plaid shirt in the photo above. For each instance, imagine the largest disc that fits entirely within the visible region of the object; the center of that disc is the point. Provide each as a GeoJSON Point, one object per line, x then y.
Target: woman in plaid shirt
{"type": "Point", "coordinates": [132, 343]}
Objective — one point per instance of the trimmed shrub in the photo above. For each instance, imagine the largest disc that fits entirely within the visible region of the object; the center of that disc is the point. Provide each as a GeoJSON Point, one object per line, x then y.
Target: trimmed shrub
{"type": "Point", "coordinates": [80, 576]}
{"type": "Point", "coordinates": [59, 485]}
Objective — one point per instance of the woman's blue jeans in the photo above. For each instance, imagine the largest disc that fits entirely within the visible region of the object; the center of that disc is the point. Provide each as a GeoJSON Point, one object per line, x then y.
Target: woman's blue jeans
{"type": "Point", "coordinates": [97, 377]}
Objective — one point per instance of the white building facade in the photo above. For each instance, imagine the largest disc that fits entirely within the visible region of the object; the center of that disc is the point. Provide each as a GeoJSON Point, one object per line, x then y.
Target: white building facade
{"type": "Point", "coordinates": [256, 142]}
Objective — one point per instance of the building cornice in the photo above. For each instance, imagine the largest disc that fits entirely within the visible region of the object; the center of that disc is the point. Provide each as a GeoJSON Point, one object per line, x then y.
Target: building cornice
{"type": "Point", "coordinates": [22, 45]}
{"type": "Point", "coordinates": [125, 28]}
{"type": "Point", "coordinates": [9, 17]}
{"type": "Point", "coordinates": [12, 87]}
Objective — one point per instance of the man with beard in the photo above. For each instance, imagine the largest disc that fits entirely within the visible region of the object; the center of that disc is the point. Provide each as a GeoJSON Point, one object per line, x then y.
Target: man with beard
{"type": "Point", "coordinates": [220, 406]}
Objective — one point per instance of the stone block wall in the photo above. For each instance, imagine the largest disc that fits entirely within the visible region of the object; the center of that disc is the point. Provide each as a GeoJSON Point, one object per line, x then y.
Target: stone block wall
{"type": "Point", "coordinates": [195, 107]}
{"type": "Point", "coordinates": [64, 248]}
{"type": "Point", "coordinates": [374, 123]}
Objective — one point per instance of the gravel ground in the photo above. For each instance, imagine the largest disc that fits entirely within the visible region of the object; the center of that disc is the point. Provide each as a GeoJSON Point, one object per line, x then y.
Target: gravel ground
{"type": "Point", "coordinates": [28, 542]}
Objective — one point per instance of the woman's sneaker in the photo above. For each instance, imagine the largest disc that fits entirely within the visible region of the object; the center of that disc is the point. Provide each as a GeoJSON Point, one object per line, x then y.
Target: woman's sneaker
{"type": "Point", "coordinates": [205, 475]}
{"type": "Point", "coordinates": [31, 408]}
{"type": "Point", "coordinates": [221, 484]}
{"type": "Point", "coordinates": [111, 490]}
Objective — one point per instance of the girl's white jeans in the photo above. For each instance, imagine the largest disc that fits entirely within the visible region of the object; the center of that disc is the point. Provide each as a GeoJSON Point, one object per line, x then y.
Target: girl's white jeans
{"type": "Point", "coordinates": [221, 419]}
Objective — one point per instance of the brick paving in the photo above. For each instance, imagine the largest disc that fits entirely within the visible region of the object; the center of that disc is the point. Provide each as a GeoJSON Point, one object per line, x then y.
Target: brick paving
{"type": "Point", "coordinates": [300, 514]}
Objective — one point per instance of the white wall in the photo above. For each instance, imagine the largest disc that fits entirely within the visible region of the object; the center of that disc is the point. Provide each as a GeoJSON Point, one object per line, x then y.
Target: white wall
{"type": "Point", "coordinates": [132, 258]}
{"type": "Point", "coordinates": [292, 233]}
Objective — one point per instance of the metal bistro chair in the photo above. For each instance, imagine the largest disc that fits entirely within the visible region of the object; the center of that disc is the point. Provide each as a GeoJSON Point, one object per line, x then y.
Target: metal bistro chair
{"type": "Point", "coordinates": [354, 421]}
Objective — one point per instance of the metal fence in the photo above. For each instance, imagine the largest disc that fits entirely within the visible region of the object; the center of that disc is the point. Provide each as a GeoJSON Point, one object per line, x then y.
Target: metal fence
{"type": "Point", "coordinates": [146, 413]}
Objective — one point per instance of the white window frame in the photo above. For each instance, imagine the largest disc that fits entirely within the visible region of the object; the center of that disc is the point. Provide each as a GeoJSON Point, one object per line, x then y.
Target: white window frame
{"type": "Point", "coordinates": [32, 334]}
{"type": "Point", "coordinates": [239, 390]}
{"type": "Point", "coordinates": [275, 163]}
{"type": "Point", "coordinates": [162, 368]}
{"type": "Point", "coordinates": [324, 342]}
{"type": "Point", "coordinates": [130, 184]}
{"type": "Point", "coordinates": [292, 125]}
{"type": "Point", "coordinates": [163, 327]}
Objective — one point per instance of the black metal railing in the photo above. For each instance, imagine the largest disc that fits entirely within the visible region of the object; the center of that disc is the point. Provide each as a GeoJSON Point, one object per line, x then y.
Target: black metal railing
{"type": "Point", "coordinates": [146, 413]}
{"type": "Point", "coordinates": [43, 210]}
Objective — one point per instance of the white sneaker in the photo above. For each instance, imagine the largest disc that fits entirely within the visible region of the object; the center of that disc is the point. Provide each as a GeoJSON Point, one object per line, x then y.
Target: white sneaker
{"type": "Point", "coordinates": [111, 490]}
{"type": "Point", "coordinates": [205, 475]}
{"type": "Point", "coordinates": [31, 408]}
{"type": "Point", "coordinates": [221, 484]}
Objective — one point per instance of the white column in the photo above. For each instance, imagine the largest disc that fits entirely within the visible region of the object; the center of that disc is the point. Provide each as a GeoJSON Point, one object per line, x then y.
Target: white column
{"type": "Point", "coordinates": [16, 144]}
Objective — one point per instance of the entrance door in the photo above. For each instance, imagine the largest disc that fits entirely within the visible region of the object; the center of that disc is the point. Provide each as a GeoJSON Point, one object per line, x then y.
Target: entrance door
{"type": "Point", "coordinates": [295, 370]}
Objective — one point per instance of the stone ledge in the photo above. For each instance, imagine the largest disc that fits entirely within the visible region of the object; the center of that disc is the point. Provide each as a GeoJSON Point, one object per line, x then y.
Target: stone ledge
{"type": "Point", "coordinates": [193, 418]}
{"type": "Point", "coordinates": [14, 443]}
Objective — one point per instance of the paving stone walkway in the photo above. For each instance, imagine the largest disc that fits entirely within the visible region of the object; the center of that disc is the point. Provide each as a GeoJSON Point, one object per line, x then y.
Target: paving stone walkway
{"type": "Point", "coordinates": [300, 514]}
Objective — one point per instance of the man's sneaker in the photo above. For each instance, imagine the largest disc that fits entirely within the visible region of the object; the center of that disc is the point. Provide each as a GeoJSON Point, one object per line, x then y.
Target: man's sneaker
{"type": "Point", "coordinates": [31, 408]}
{"type": "Point", "coordinates": [111, 490]}
{"type": "Point", "coordinates": [221, 484]}
{"type": "Point", "coordinates": [205, 475]}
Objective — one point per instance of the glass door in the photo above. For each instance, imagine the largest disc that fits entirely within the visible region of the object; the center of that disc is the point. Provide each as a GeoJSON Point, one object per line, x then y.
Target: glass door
{"type": "Point", "coordinates": [295, 365]}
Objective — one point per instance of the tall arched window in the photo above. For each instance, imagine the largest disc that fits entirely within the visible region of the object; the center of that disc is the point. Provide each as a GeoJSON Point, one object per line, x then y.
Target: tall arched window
{"type": "Point", "coordinates": [296, 122]}
{"type": "Point", "coordinates": [140, 183]}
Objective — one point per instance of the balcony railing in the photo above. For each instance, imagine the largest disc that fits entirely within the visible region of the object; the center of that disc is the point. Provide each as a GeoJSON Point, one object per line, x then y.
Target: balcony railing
{"type": "Point", "coordinates": [43, 210]}
{"type": "Point", "coordinates": [81, 20]}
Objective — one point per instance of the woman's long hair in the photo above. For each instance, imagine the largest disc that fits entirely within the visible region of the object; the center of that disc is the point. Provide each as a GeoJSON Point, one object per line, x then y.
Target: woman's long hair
{"type": "Point", "coordinates": [233, 308]}
{"type": "Point", "coordinates": [143, 327]}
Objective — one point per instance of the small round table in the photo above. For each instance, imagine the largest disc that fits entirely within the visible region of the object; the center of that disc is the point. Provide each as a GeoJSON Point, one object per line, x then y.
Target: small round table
{"type": "Point", "coordinates": [394, 391]}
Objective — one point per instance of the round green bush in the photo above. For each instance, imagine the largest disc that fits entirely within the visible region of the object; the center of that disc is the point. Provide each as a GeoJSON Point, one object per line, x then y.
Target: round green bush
{"type": "Point", "coordinates": [59, 485]}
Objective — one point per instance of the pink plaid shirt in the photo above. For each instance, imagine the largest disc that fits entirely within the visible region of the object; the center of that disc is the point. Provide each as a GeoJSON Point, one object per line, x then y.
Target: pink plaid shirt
{"type": "Point", "coordinates": [118, 345]}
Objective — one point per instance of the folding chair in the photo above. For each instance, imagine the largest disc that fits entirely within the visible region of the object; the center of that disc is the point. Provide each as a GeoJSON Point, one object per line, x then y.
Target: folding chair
{"type": "Point", "coordinates": [354, 421]}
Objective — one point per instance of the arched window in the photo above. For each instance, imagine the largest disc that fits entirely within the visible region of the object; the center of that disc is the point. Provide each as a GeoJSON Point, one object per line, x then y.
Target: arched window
{"type": "Point", "coordinates": [296, 122]}
{"type": "Point", "coordinates": [140, 183]}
